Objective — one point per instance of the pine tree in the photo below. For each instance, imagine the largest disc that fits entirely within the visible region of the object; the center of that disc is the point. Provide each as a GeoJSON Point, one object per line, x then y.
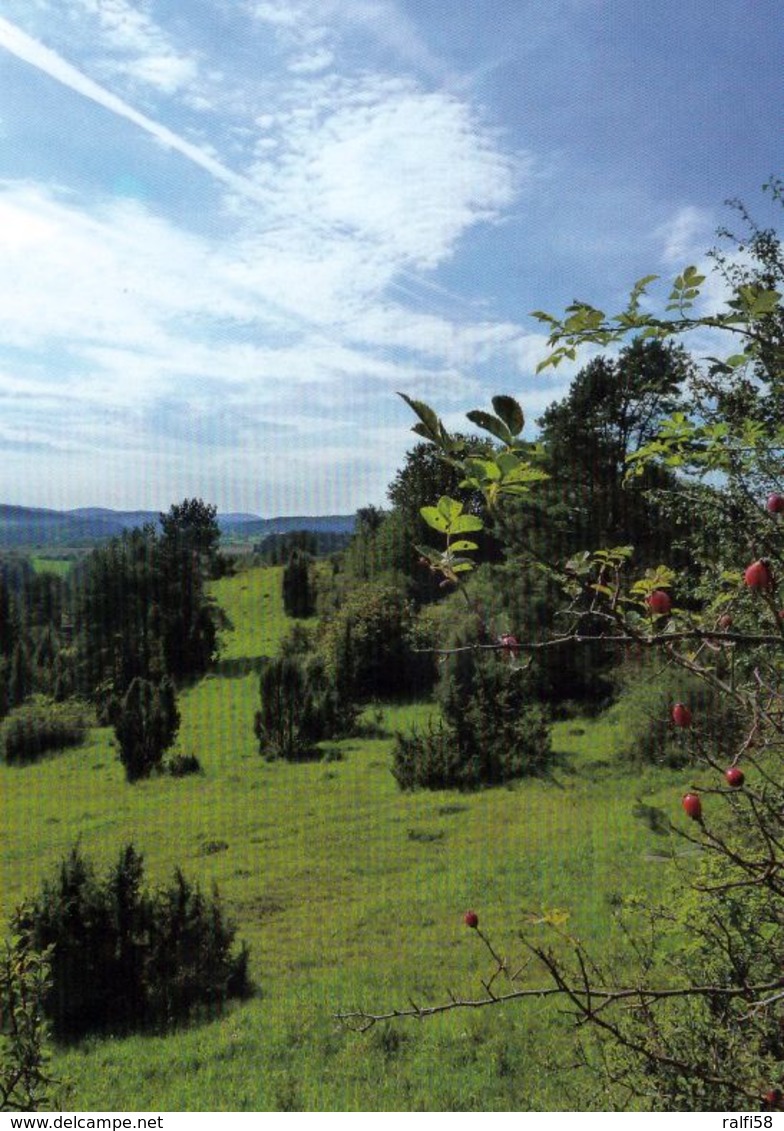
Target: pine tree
{"type": "Point", "coordinates": [147, 726]}
{"type": "Point", "coordinates": [298, 590]}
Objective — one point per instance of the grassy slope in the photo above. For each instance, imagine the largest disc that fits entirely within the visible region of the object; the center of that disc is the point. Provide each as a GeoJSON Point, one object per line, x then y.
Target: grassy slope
{"type": "Point", "coordinates": [60, 566]}
{"type": "Point", "coordinates": [348, 892]}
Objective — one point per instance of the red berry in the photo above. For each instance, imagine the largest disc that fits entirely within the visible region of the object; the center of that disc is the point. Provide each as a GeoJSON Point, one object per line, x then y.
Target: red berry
{"type": "Point", "coordinates": [659, 602]}
{"type": "Point", "coordinates": [773, 1099]}
{"type": "Point", "coordinates": [758, 575]}
{"type": "Point", "coordinates": [471, 919]}
{"type": "Point", "coordinates": [725, 621]}
{"type": "Point", "coordinates": [735, 776]}
{"type": "Point", "coordinates": [681, 715]}
{"type": "Point", "coordinates": [775, 503]}
{"type": "Point", "coordinates": [692, 806]}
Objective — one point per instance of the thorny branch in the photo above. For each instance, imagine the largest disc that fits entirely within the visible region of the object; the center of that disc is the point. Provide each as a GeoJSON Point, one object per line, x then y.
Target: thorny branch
{"type": "Point", "coordinates": [590, 1003]}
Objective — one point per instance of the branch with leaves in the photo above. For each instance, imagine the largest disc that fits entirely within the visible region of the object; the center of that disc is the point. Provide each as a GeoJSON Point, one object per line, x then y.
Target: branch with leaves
{"type": "Point", "coordinates": [25, 1080]}
{"type": "Point", "coordinates": [727, 1041]}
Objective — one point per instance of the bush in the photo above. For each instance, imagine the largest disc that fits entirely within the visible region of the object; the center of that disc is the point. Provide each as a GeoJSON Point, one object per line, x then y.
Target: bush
{"type": "Point", "coordinates": [300, 640]}
{"type": "Point", "coordinates": [735, 941]}
{"type": "Point", "coordinates": [123, 958]}
{"type": "Point", "coordinates": [146, 726]}
{"type": "Point", "coordinates": [375, 648]}
{"type": "Point", "coordinates": [26, 1083]}
{"type": "Point", "coordinates": [39, 726]}
{"type": "Point", "coordinates": [299, 598]}
{"type": "Point", "coordinates": [427, 759]}
{"type": "Point", "coordinates": [645, 712]}
{"type": "Point", "coordinates": [517, 598]}
{"type": "Point", "coordinates": [490, 733]}
{"type": "Point", "coordinates": [183, 764]}
{"type": "Point", "coordinates": [300, 706]}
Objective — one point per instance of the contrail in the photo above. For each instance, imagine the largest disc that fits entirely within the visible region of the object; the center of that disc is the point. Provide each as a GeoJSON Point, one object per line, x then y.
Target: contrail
{"type": "Point", "coordinates": [29, 50]}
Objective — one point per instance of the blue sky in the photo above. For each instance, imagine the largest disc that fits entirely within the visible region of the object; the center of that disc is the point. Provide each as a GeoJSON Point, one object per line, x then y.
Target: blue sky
{"type": "Point", "coordinates": [231, 229]}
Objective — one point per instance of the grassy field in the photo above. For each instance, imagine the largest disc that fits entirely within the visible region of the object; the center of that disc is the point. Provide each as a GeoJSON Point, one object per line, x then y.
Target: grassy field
{"type": "Point", "coordinates": [60, 566]}
{"type": "Point", "coordinates": [349, 893]}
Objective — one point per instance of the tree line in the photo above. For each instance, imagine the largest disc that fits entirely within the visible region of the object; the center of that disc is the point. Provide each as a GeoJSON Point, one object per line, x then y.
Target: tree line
{"type": "Point", "coordinates": [131, 622]}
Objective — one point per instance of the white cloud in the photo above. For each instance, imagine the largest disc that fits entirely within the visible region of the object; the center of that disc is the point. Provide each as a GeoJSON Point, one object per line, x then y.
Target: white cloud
{"type": "Point", "coordinates": [685, 236]}
{"type": "Point", "coordinates": [138, 310]}
{"type": "Point", "coordinates": [285, 337]}
{"type": "Point", "coordinates": [168, 73]}
{"type": "Point", "coordinates": [276, 13]}
{"type": "Point", "coordinates": [396, 171]}
{"type": "Point", "coordinates": [312, 63]}
{"type": "Point", "coordinates": [303, 23]}
{"type": "Point", "coordinates": [127, 41]}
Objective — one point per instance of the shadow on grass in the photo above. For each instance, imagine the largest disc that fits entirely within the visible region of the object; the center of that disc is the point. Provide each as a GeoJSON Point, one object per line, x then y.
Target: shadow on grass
{"type": "Point", "coordinates": [656, 819]}
{"type": "Point", "coordinates": [559, 761]}
{"type": "Point", "coordinates": [324, 752]}
{"type": "Point", "coordinates": [240, 666]}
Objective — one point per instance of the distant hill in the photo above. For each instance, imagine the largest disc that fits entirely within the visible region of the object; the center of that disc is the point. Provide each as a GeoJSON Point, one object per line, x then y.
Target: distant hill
{"type": "Point", "coordinates": [258, 528]}
{"type": "Point", "coordinates": [38, 528]}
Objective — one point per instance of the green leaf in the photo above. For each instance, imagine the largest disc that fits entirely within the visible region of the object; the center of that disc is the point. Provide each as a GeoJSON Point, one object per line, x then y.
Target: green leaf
{"type": "Point", "coordinates": [449, 508]}
{"type": "Point", "coordinates": [491, 424]}
{"type": "Point", "coordinates": [434, 519]}
{"type": "Point", "coordinates": [462, 546]}
{"type": "Point", "coordinates": [643, 283]}
{"type": "Point", "coordinates": [481, 469]}
{"type": "Point", "coordinates": [515, 489]}
{"type": "Point", "coordinates": [465, 523]}
{"type": "Point", "coordinates": [432, 424]}
{"type": "Point", "coordinates": [510, 413]}
{"type": "Point", "coordinates": [765, 302]}
{"type": "Point", "coordinates": [506, 462]}
{"type": "Point", "coordinates": [524, 473]}
{"type": "Point", "coordinates": [692, 277]}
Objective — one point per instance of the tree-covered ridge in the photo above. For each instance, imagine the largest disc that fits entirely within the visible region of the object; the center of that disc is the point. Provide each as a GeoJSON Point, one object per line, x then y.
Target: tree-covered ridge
{"type": "Point", "coordinates": [24, 528]}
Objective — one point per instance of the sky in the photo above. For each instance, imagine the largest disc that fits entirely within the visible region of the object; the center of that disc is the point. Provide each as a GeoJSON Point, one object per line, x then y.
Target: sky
{"type": "Point", "coordinates": [232, 230]}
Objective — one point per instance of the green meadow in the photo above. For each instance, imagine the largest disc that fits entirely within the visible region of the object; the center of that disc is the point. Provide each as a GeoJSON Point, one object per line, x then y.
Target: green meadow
{"type": "Point", "coordinates": [350, 894]}
{"type": "Point", "coordinates": [60, 566]}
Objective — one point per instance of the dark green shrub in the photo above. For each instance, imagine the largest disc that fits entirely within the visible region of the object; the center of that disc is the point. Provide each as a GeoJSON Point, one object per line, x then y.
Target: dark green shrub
{"type": "Point", "coordinates": [40, 726]}
{"type": "Point", "coordinates": [520, 599]}
{"type": "Point", "coordinates": [146, 726]}
{"type": "Point", "coordinates": [300, 706]}
{"type": "Point", "coordinates": [374, 647]}
{"type": "Point", "coordinates": [191, 961]}
{"type": "Point", "coordinates": [491, 731]}
{"type": "Point", "coordinates": [123, 958]}
{"type": "Point", "coordinates": [20, 675]}
{"type": "Point", "coordinates": [427, 759]}
{"type": "Point", "coordinates": [300, 640]}
{"type": "Point", "coordinates": [299, 595]}
{"type": "Point", "coordinates": [183, 764]}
